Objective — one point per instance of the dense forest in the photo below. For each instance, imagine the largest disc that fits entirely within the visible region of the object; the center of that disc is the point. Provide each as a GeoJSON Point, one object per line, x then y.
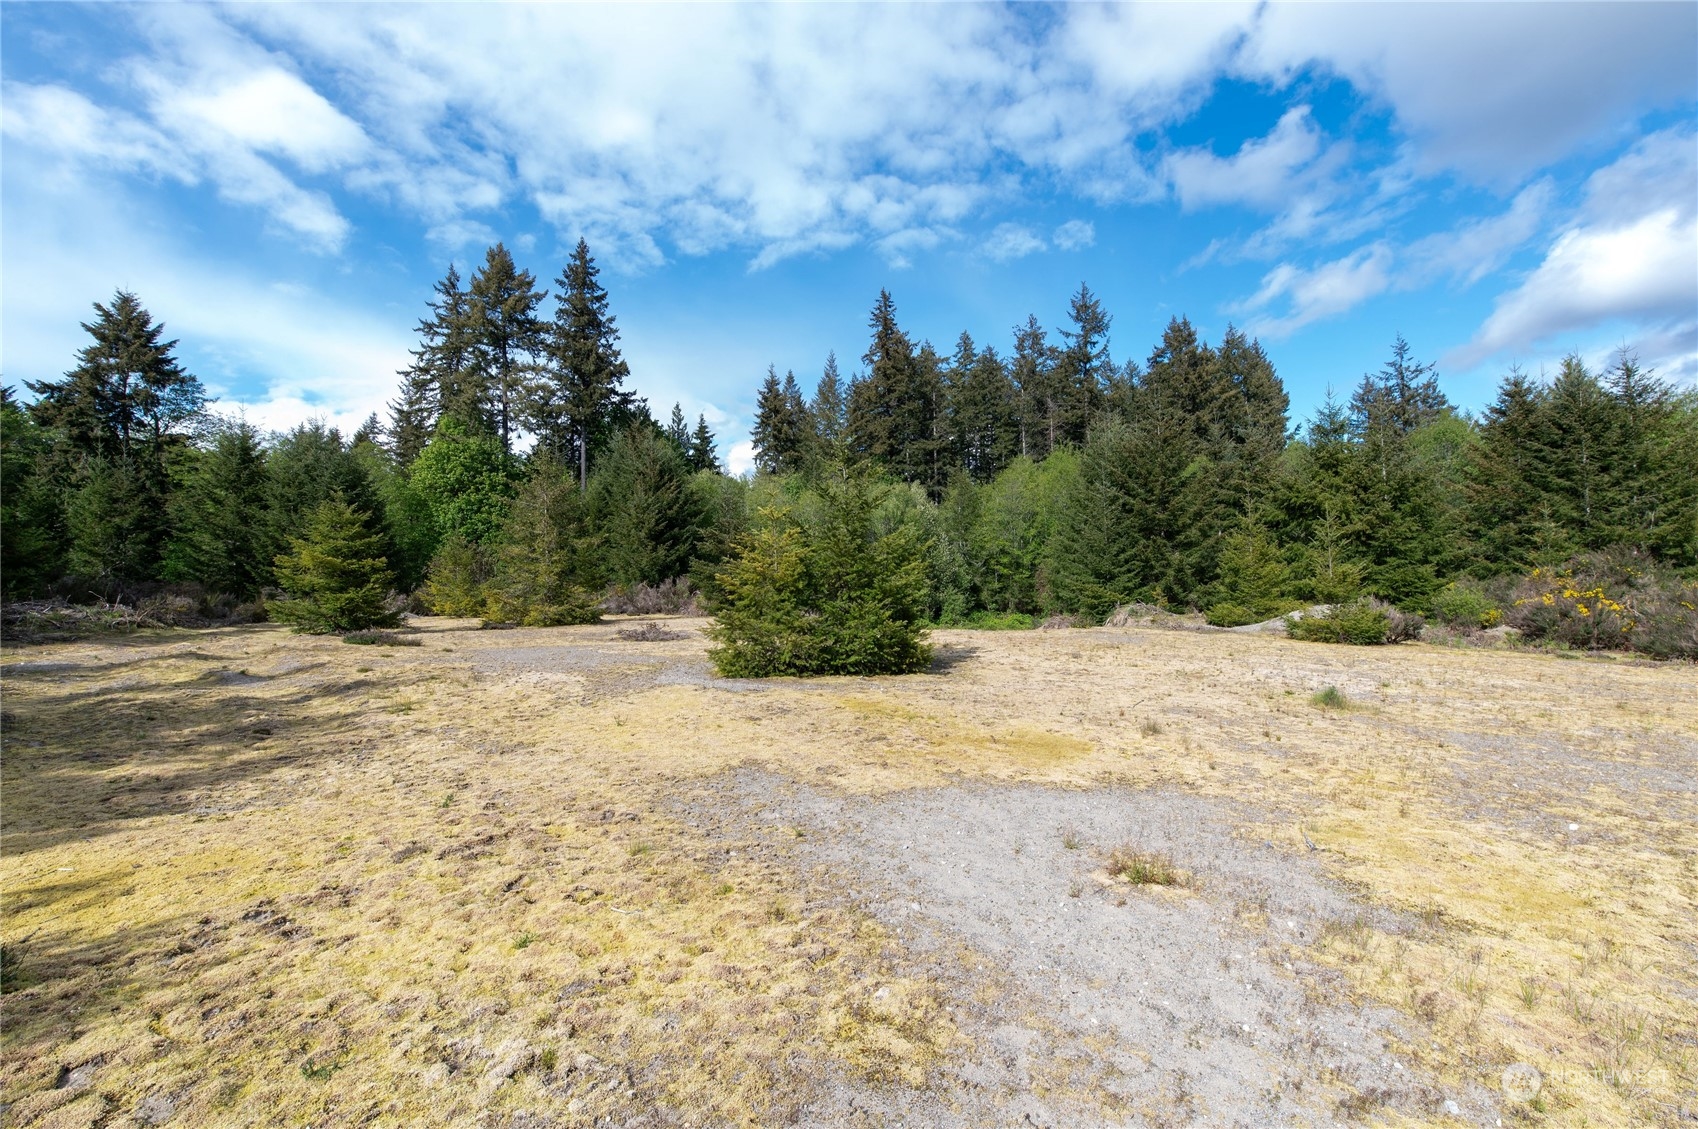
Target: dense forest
{"type": "Point", "coordinates": [518, 478]}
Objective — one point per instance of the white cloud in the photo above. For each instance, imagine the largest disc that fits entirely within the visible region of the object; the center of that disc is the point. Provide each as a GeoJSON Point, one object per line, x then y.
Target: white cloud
{"type": "Point", "coordinates": [740, 459]}
{"type": "Point", "coordinates": [1261, 173]}
{"type": "Point", "coordinates": [1011, 241]}
{"type": "Point", "coordinates": [1644, 271]}
{"type": "Point", "coordinates": [1321, 292]}
{"type": "Point", "coordinates": [280, 350]}
{"type": "Point", "coordinates": [1476, 248]}
{"type": "Point", "coordinates": [270, 111]}
{"type": "Point", "coordinates": [1631, 256]}
{"type": "Point", "coordinates": [1495, 90]}
{"type": "Point", "coordinates": [1075, 235]}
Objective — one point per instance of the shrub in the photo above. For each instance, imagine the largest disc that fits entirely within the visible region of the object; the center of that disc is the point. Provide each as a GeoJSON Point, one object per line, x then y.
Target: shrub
{"type": "Point", "coordinates": [380, 639]}
{"type": "Point", "coordinates": [336, 575]}
{"type": "Point", "coordinates": [669, 597]}
{"type": "Point", "coordinates": [1241, 615]}
{"type": "Point", "coordinates": [1331, 698]}
{"type": "Point", "coordinates": [1465, 604]}
{"type": "Point", "coordinates": [843, 595]}
{"type": "Point", "coordinates": [1363, 622]}
{"type": "Point", "coordinates": [1609, 601]}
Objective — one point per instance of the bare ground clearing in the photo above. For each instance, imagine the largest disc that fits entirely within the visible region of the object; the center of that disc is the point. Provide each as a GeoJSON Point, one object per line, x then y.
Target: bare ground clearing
{"type": "Point", "coordinates": [547, 877]}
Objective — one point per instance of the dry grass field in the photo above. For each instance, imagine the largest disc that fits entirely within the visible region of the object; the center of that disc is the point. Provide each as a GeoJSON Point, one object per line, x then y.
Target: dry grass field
{"type": "Point", "coordinates": [555, 877]}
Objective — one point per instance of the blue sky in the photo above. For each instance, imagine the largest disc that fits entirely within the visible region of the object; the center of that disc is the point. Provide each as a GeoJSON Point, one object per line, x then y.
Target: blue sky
{"type": "Point", "coordinates": [281, 184]}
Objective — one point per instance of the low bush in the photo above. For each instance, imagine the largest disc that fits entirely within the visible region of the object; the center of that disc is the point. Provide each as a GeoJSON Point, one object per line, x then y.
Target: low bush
{"type": "Point", "coordinates": [1242, 615]}
{"type": "Point", "coordinates": [1608, 601]}
{"type": "Point", "coordinates": [669, 597]}
{"type": "Point", "coordinates": [380, 639]}
{"type": "Point", "coordinates": [1330, 698]}
{"type": "Point", "coordinates": [1465, 604]}
{"type": "Point", "coordinates": [1363, 622]}
{"type": "Point", "coordinates": [454, 582]}
{"type": "Point", "coordinates": [994, 621]}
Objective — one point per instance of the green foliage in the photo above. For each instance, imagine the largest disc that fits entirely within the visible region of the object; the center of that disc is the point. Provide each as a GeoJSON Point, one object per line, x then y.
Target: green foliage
{"type": "Point", "coordinates": [1254, 579]}
{"type": "Point", "coordinates": [1617, 600]}
{"type": "Point", "coordinates": [32, 521]}
{"type": "Point", "coordinates": [465, 480]}
{"type": "Point", "coordinates": [335, 574]}
{"type": "Point", "coordinates": [1466, 604]}
{"type": "Point", "coordinates": [1329, 698]}
{"type": "Point", "coordinates": [646, 514]}
{"type": "Point", "coordinates": [1363, 622]}
{"type": "Point", "coordinates": [454, 582]}
{"type": "Point", "coordinates": [542, 559]}
{"type": "Point", "coordinates": [843, 594]}
{"type": "Point", "coordinates": [220, 540]}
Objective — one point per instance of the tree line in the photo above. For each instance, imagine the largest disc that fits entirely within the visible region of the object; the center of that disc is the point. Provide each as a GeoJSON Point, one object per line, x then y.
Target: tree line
{"type": "Point", "coordinates": [1048, 479]}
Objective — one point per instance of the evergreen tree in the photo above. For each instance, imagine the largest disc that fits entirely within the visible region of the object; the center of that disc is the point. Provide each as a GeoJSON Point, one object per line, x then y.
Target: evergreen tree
{"type": "Point", "coordinates": [781, 430]}
{"type": "Point", "coordinates": [544, 561]}
{"type": "Point", "coordinates": [827, 409]}
{"type": "Point", "coordinates": [1508, 511]}
{"type": "Point", "coordinates": [678, 430]}
{"type": "Point", "coordinates": [895, 411]}
{"type": "Point", "coordinates": [583, 381]}
{"type": "Point", "coordinates": [305, 467]}
{"type": "Point", "coordinates": [446, 375]}
{"type": "Point", "coordinates": [128, 397]}
{"type": "Point", "coordinates": [645, 515]}
{"type": "Point", "coordinates": [1082, 369]}
{"type": "Point", "coordinates": [32, 521]}
{"type": "Point", "coordinates": [1040, 401]}
{"type": "Point", "coordinates": [503, 303]}
{"type": "Point", "coordinates": [1577, 437]}
{"type": "Point", "coordinates": [981, 410]}
{"type": "Point", "coordinates": [702, 453]}
{"type": "Point", "coordinates": [335, 574]}
{"type": "Point", "coordinates": [121, 414]}
{"type": "Point", "coordinates": [843, 594]}
{"type": "Point", "coordinates": [221, 540]}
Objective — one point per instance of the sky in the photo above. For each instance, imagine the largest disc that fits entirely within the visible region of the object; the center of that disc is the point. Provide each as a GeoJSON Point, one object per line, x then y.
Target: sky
{"type": "Point", "coordinates": [1501, 184]}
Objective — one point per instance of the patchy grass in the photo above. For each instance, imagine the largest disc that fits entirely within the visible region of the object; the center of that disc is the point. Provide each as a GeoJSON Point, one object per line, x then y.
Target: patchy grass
{"type": "Point", "coordinates": [232, 861]}
{"type": "Point", "coordinates": [1145, 868]}
{"type": "Point", "coordinates": [1330, 698]}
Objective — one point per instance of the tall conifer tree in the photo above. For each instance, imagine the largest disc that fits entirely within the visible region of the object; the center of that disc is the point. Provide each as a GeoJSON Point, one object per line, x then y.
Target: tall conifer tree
{"type": "Point", "coordinates": [585, 375]}
{"type": "Point", "coordinates": [508, 333]}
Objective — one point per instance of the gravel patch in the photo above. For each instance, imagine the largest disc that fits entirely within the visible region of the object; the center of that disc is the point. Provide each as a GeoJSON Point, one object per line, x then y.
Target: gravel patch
{"type": "Point", "coordinates": [1126, 1005]}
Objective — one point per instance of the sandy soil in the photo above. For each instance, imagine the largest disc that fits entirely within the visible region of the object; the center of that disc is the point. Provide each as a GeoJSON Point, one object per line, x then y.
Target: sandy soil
{"type": "Point", "coordinates": [559, 878]}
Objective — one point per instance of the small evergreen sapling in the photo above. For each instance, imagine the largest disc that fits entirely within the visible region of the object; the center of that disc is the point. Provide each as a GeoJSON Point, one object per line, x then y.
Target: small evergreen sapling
{"type": "Point", "coordinates": [336, 575]}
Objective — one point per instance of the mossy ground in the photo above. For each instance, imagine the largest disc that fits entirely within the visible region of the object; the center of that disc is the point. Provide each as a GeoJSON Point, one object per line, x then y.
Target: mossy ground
{"type": "Point", "coordinates": [282, 880]}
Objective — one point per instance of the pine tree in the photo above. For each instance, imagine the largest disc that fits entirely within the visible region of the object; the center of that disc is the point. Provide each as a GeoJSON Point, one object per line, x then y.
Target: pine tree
{"type": "Point", "coordinates": [121, 413]}
{"type": "Point", "coordinates": [544, 562]}
{"type": "Point", "coordinates": [827, 408]}
{"type": "Point", "coordinates": [304, 468]}
{"type": "Point", "coordinates": [335, 574]}
{"type": "Point", "coordinates": [895, 410]}
{"type": "Point", "coordinates": [645, 515]}
{"type": "Point", "coordinates": [1082, 368]}
{"type": "Point", "coordinates": [221, 540]}
{"type": "Point", "coordinates": [32, 520]}
{"type": "Point", "coordinates": [781, 430]}
{"type": "Point", "coordinates": [1035, 371]}
{"type": "Point", "coordinates": [128, 396]}
{"type": "Point", "coordinates": [508, 335]}
{"type": "Point", "coordinates": [584, 377]}
{"type": "Point", "coordinates": [980, 410]}
{"type": "Point", "coordinates": [678, 430]}
{"type": "Point", "coordinates": [1508, 510]}
{"type": "Point", "coordinates": [702, 453]}
{"type": "Point", "coordinates": [446, 375]}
